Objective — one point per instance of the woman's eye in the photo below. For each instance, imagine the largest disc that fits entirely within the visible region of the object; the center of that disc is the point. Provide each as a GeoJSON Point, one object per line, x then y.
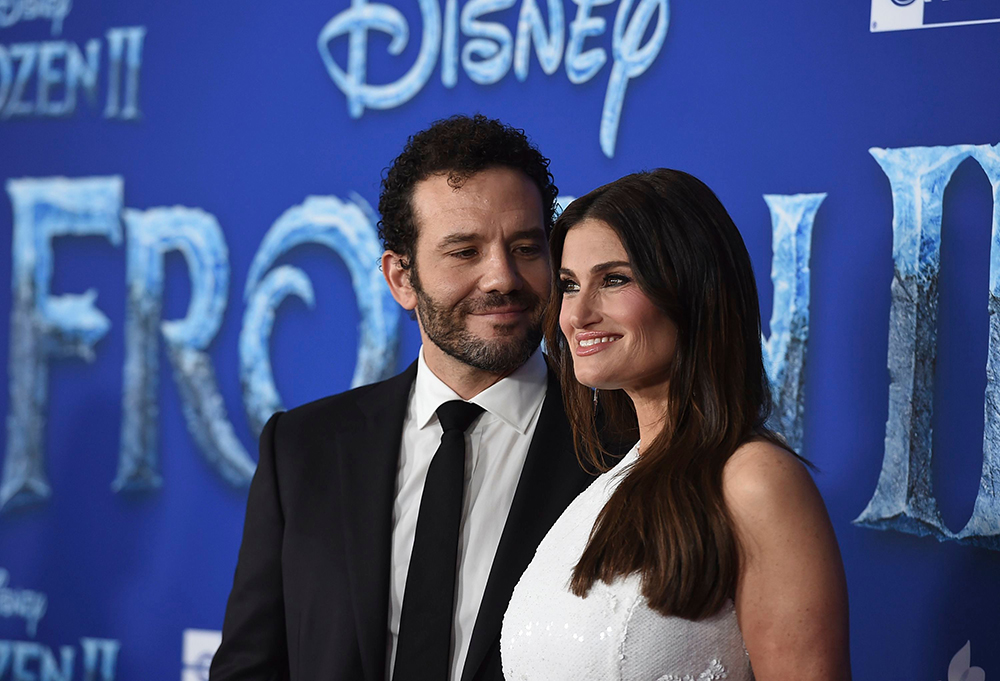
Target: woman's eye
{"type": "Point", "coordinates": [616, 280]}
{"type": "Point", "coordinates": [568, 285]}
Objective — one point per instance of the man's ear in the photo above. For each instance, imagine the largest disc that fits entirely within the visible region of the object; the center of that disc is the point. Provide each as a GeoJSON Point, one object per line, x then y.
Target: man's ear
{"type": "Point", "coordinates": [398, 279]}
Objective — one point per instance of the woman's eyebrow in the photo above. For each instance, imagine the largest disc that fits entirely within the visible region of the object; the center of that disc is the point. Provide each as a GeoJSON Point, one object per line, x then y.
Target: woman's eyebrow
{"type": "Point", "coordinates": [610, 265]}
{"type": "Point", "coordinates": [602, 267]}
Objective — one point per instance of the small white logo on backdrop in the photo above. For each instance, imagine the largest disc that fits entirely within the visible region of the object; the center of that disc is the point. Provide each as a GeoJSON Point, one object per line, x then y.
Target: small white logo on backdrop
{"type": "Point", "coordinates": [903, 15]}
{"type": "Point", "coordinates": [199, 649]}
{"type": "Point", "coordinates": [961, 668]}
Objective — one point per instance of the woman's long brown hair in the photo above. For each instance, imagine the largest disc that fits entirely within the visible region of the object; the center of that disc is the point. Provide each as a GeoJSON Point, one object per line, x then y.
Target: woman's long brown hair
{"type": "Point", "coordinates": [668, 519]}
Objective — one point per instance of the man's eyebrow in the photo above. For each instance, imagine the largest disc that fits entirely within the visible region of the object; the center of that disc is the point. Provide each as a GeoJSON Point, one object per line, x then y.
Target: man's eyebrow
{"type": "Point", "coordinates": [457, 238]}
{"type": "Point", "coordinates": [532, 233]}
{"type": "Point", "coordinates": [469, 237]}
{"type": "Point", "coordinates": [602, 267]}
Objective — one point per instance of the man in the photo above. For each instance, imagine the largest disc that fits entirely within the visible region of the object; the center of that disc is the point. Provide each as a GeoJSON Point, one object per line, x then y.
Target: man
{"type": "Point", "coordinates": [380, 541]}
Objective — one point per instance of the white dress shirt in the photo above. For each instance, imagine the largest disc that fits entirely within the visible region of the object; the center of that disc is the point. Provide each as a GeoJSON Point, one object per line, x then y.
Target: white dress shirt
{"type": "Point", "coordinates": [496, 446]}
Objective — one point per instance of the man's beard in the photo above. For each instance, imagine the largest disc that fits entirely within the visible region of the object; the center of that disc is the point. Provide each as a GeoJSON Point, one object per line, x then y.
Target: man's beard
{"type": "Point", "coordinates": [446, 328]}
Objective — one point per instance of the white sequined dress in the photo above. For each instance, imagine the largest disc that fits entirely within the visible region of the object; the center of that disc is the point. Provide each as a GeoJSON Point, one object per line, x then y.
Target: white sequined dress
{"type": "Point", "coordinates": [549, 634]}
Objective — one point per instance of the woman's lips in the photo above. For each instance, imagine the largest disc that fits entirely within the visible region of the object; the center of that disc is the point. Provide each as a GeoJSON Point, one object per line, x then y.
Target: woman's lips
{"type": "Point", "coordinates": [589, 343]}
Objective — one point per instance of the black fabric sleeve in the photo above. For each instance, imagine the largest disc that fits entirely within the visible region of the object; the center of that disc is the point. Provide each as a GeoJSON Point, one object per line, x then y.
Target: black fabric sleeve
{"type": "Point", "coordinates": [254, 641]}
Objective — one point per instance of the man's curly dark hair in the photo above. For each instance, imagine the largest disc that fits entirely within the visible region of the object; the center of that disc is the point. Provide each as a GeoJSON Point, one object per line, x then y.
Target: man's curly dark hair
{"type": "Point", "coordinates": [461, 147]}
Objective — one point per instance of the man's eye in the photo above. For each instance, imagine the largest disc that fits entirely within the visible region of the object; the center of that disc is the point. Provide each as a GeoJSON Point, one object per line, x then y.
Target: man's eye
{"type": "Point", "coordinates": [568, 286]}
{"type": "Point", "coordinates": [529, 250]}
{"type": "Point", "coordinates": [464, 254]}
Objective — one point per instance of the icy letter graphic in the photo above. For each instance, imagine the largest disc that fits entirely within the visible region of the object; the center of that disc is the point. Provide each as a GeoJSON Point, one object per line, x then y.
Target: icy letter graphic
{"type": "Point", "coordinates": [531, 28]}
{"type": "Point", "coordinates": [57, 670]}
{"type": "Point", "coordinates": [43, 325]}
{"type": "Point", "coordinates": [124, 104]}
{"type": "Point", "coordinates": [904, 497]}
{"type": "Point", "coordinates": [581, 65]}
{"type": "Point", "coordinates": [983, 528]}
{"type": "Point", "coordinates": [260, 394]}
{"type": "Point", "coordinates": [792, 220]}
{"type": "Point", "coordinates": [630, 60]}
{"type": "Point", "coordinates": [449, 44]}
{"type": "Point", "coordinates": [362, 17]}
{"type": "Point", "coordinates": [81, 73]}
{"type": "Point", "coordinates": [198, 237]}
{"type": "Point", "coordinates": [489, 42]}
{"type": "Point", "coordinates": [347, 228]}
{"type": "Point", "coordinates": [100, 658]}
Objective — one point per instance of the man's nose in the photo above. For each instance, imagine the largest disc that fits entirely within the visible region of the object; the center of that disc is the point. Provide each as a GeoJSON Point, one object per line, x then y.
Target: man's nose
{"type": "Point", "coordinates": [500, 274]}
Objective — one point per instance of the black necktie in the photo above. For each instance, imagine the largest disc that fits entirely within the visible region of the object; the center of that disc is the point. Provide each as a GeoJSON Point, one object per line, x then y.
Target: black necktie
{"type": "Point", "coordinates": [423, 649]}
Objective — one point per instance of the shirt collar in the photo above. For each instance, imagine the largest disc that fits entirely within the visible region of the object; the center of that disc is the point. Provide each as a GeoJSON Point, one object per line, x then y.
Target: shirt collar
{"type": "Point", "coordinates": [513, 399]}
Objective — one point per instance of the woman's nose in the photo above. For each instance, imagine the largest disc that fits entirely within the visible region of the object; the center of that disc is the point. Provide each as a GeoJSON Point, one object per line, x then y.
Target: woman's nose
{"type": "Point", "coordinates": [580, 311]}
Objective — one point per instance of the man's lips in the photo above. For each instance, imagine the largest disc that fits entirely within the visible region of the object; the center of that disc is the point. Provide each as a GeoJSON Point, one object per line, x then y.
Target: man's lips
{"type": "Point", "coordinates": [507, 313]}
{"type": "Point", "coordinates": [591, 342]}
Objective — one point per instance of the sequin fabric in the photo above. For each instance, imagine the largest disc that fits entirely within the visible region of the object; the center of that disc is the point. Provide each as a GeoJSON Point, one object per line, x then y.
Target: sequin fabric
{"type": "Point", "coordinates": [612, 634]}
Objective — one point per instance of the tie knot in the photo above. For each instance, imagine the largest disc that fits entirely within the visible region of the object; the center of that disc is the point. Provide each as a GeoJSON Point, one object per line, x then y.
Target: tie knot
{"type": "Point", "coordinates": [458, 415]}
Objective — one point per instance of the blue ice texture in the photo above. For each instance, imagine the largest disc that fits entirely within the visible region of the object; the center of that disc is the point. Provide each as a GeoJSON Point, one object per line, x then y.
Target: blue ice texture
{"type": "Point", "coordinates": [198, 237]}
{"type": "Point", "coordinates": [356, 21]}
{"type": "Point", "coordinates": [548, 40]}
{"type": "Point", "coordinates": [562, 202]}
{"type": "Point", "coordinates": [348, 229]}
{"type": "Point", "coordinates": [792, 219]}
{"type": "Point", "coordinates": [260, 394]}
{"type": "Point", "coordinates": [23, 604]}
{"type": "Point", "coordinates": [31, 10]}
{"type": "Point", "coordinates": [983, 528]}
{"type": "Point", "coordinates": [488, 53]}
{"type": "Point", "coordinates": [33, 661]}
{"type": "Point", "coordinates": [631, 59]}
{"type": "Point", "coordinates": [61, 66]}
{"type": "Point", "coordinates": [130, 37]}
{"type": "Point", "coordinates": [43, 325]}
{"type": "Point", "coordinates": [490, 50]}
{"type": "Point", "coordinates": [581, 65]}
{"type": "Point", "coordinates": [904, 498]}
{"type": "Point", "coordinates": [449, 44]}
{"type": "Point", "coordinates": [100, 658]}
{"type": "Point", "coordinates": [63, 69]}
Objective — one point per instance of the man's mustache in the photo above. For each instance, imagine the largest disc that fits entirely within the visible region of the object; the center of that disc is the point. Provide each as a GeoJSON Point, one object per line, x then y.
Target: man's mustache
{"type": "Point", "coordinates": [493, 301]}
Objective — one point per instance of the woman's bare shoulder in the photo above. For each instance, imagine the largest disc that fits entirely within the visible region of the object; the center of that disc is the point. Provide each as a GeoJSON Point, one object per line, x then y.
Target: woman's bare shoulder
{"type": "Point", "coordinates": [766, 486]}
{"type": "Point", "coordinates": [792, 595]}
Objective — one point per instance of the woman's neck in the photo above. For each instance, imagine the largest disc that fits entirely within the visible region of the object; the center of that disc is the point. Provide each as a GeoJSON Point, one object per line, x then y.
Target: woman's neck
{"type": "Point", "coordinates": [650, 409]}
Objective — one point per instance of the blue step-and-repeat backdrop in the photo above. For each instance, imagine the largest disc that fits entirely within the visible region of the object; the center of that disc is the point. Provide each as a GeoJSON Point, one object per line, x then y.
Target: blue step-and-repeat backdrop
{"type": "Point", "coordinates": [187, 226]}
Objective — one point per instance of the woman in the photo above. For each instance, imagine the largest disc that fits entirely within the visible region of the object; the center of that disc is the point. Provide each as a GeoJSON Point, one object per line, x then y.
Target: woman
{"type": "Point", "coordinates": [706, 553]}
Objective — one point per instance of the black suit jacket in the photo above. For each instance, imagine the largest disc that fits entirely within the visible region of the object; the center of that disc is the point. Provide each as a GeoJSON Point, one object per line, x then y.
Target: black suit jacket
{"type": "Point", "coordinates": [310, 598]}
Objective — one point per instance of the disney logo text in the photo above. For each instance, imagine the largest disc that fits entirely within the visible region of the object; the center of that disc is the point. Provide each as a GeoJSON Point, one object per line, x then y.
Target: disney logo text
{"type": "Point", "coordinates": [491, 49]}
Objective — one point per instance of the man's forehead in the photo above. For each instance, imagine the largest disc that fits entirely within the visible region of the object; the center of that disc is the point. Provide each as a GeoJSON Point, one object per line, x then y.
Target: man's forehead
{"type": "Point", "coordinates": [492, 194]}
{"type": "Point", "coordinates": [459, 183]}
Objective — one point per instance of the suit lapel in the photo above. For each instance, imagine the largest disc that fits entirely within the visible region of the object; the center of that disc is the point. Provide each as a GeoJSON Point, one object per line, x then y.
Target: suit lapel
{"type": "Point", "coordinates": [369, 458]}
{"type": "Point", "coordinates": [550, 480]}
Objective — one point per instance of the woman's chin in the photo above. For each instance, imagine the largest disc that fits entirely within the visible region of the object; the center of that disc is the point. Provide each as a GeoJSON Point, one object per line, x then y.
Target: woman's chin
{"type": "Point", "coordinates": [597, 382]}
